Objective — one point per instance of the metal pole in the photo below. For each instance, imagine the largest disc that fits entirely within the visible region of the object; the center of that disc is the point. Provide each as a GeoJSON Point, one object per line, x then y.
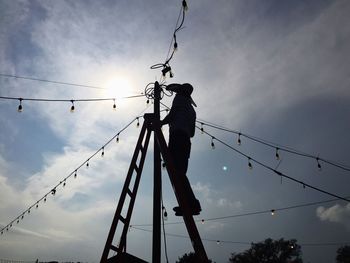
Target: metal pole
{"type": "Point", "coordinates": [157, 187]}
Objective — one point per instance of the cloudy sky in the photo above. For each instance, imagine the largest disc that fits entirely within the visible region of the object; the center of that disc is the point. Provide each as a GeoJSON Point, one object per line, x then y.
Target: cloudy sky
{"type": "Point", "coordinates": [276, 70]}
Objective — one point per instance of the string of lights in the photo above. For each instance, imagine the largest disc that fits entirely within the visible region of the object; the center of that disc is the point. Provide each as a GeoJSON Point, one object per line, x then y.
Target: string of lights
{"type": "Point", "coordinates": [73, 174]}
{"type": "Point", "coordinates": [278, 148]}
{"type": "Point", "coordinates": [219, 241]}
{"type": "Point", "coordinates": [266, 211]}
{"type": "Point", "coordinates": [250, 165]}
{"type": "Point", "coordinates": [51, 81]}
{"type": "Point", "coordinates": [72, 101]}
{"type": "Point", "coordinates": [166, 68]}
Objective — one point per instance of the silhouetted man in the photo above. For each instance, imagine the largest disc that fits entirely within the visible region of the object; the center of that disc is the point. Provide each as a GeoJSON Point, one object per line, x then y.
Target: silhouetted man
{"type": "Point", "coordinates": [181, 120]}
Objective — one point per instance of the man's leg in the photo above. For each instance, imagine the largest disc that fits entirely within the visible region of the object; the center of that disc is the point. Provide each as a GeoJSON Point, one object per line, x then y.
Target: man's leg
{"type": "Point", "coordinates": [180, 147]}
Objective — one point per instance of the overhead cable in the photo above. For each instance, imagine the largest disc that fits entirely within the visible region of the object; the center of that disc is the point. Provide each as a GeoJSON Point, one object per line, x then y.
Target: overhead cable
{"type": "Point", "coordinates": [51, 81]}
{"type": "Point", "coordinates": [275, 146]}
{"type": "Point", "coordinates": [259, 212]}
{"type": "Point", "coordinates": [219, 241]}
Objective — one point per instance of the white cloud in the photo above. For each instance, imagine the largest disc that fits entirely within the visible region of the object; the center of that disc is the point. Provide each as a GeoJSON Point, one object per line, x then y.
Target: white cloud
{"type": "Point", "coordinates": [224, 202]}
{"type": "Point", "coordinates": [336, 214]}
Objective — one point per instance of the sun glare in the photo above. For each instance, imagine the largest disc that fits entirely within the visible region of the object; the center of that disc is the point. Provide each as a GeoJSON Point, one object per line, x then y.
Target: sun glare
{"type": "Point", "coordinates": [118, 87]}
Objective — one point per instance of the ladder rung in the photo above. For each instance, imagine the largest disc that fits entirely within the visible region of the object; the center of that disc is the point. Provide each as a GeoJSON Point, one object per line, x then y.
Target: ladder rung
{"type": "Point", "coordinates": [129, 192]}
{"type": "Point", "coordinates": [136, 168]}
{"type": "Point", "coordinates": [122, 219]}
{"type": "Point", "coordinates": [114, 248]}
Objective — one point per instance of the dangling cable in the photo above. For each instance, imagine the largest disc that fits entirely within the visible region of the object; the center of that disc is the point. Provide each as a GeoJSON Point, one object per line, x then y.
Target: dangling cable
{"type": "Point", "coordinates": [164, 212]}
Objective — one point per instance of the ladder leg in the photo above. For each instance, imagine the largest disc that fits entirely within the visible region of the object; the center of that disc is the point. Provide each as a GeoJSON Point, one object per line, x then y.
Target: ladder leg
{"type": "Point", "coordinates": [117, 216]}
{"type": "Point", "coordinates": [122, 244]}
{"type": "Point", "coordinates": [177, 183]}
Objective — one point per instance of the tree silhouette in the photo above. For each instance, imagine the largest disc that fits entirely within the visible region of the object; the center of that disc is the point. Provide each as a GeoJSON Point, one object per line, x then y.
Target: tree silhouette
{"type": "Point", "coordinates": [343, 254]}
{"type": "Point", "coordinates": [189, 258]}
{"type": "Point", "coordinates": [270, 251]}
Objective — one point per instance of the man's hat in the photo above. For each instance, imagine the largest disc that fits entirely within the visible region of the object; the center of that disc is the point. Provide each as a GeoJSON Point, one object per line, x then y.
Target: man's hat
{"type": "Point", "coordinates": [185, 89]}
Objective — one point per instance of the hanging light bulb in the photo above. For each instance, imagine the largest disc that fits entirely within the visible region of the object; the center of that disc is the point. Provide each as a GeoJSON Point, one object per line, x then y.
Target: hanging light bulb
{"type": "Point", "coordinates": [45, 198]}
{"type": "Point", "coordinates": [114, 106]}
{"type": "Point", "coordinates": [138, 122]}
{"type": "Point", "coordinates": [37, 205]}
{"type": "Point", "coordinates": [103, 152]}
{"type": "Point", "coordinates": [22, 216]}
{"type": "Point", "coordinates": [212, 143]}
{"type": "Point", "coordinates": [277, 154]}
{"type": "Point", "coordinates": [64, 183]}
{"type": "Point", "coordinates": [87, 163]}
{"type": "Point", "coordinates": [28, 211]}
{"type": "Point", "coordinates": [53, 191]}
{"type": "Point", "coordinates": [318, 164]}
{"type": "Point", "coordinates": [165, 213]}
{"type": "Point", "coordinates": [117, 139]}
{"type": "Point", "coordinates": [75, 174]}
{"type": "Point", "coordinates": [218, 242]}
{"type": "Point", "coordinates": [20, 107]}
{"type": "Point", "coordinates": [184, 5]}
{"type": "Point", "coordinates": [250, 166]}
{"type": "Point", "coordinates": [272, 212]}
{"type": "Point", "coordinates": [17, 220]}
{"type": "Point", "coordinates": [202, 221]}
{"type": "Point", "coordinates": [239, 139]}
{"type": "Point", "coordinates": [147, 101]}
{"type": "Point", "coordinates": [72, 108]}
{"type": "Point", "coordinates": [2, 232]}
{"type": "Point", "coordinates": [202, 129]}
{"type": "Point", "coordinates": [163, 165]}
{"type": "Point", "coordinates": [175, 46]}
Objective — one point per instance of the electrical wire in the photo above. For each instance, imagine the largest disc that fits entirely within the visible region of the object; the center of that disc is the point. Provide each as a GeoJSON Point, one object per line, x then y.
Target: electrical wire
{"type": "Point", "coordinates": [272, 169]}
{"type": "Point", "coordinates": [274, 145]}
{"type": "Point", "coordinates": [183, 7]}
{"type": "Point", "coordinates": [266, 211]}
{"type": "Point", "coordinates": [219, 241]}
{"type": "Point", "coordinates": [266, 166]}
{"type": "Point", "coordinates": [166, 66]}
{"type": "Point", "coordinates": [172, 38]}
{"type": "Point", "coordinates": [164, 234]}
{"type": "Point", "coordinates": [51, 81]}
{"type": "Point", "coordinates": [69, 100]}
{"type": "Point", "coordinates": [73, 173]}
{"type": "Point", "coordinates": [20, 106]}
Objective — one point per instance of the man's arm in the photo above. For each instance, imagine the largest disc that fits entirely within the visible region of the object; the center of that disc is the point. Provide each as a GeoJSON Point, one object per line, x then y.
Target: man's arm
{"type": "Point", "coordinates": [171, 113]}
{"type": "Point", "coordinates": [167, 118]}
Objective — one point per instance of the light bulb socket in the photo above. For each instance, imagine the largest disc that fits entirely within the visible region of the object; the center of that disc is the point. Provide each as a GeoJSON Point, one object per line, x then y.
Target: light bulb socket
{"type": "Point", "coordinates": [184, 5]}
{"type": "Point", "coordinates": [20, 107]}
{"type": "Point", "coordinates": [72, 108]}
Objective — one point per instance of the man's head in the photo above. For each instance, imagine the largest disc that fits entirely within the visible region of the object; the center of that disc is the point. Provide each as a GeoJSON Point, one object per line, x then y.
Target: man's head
{"type": "Point", "coordinates": [183, 89]}
{"type": "Point", "coordinates": [187, 88]}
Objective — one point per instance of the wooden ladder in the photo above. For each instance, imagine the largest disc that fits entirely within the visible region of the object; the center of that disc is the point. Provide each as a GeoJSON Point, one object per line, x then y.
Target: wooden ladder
{"type": "Point", "coordinates": [135, 171]}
